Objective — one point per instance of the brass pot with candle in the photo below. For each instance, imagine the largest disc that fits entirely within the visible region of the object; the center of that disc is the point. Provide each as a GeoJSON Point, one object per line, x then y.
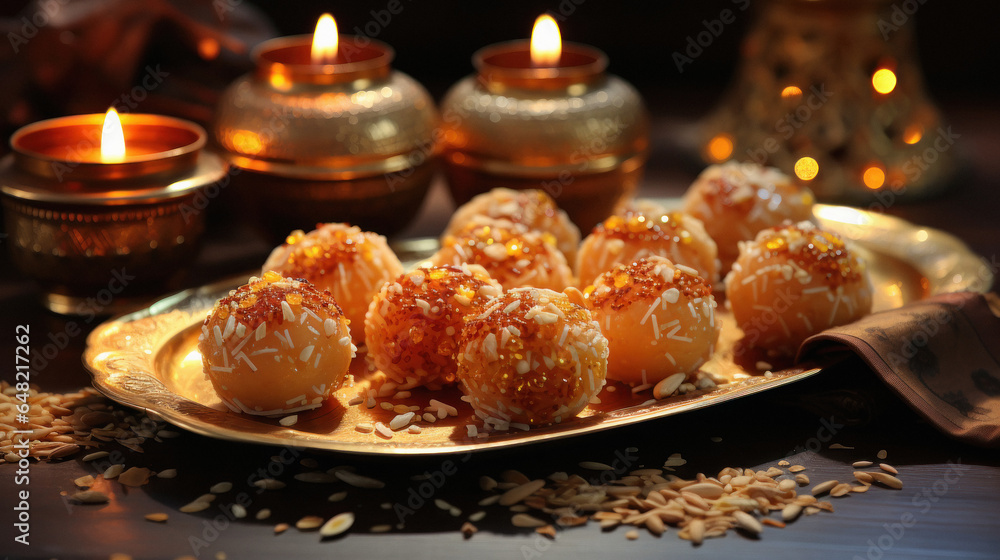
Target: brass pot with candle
{"type": "Point", "coordinates": [532, 118]}
{"type": "Point", "coordinates": [103, 225]}
{"type": "Point", "coordinates": [334, 135]}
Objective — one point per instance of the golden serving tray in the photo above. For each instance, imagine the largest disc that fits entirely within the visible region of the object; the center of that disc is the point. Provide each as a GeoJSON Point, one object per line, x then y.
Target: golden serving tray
{"type": "Point", "coordinates": [149, 359]}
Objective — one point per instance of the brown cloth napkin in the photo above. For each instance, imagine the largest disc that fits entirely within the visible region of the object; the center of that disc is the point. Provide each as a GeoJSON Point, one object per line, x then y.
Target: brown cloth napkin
{"type": "Point", "coordinates": [941, 355]}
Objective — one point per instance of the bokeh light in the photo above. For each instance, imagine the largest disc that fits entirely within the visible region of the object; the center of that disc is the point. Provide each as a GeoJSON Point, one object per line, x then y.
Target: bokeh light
{"type": "Point", "coordinates": [874, 177]}
{"type": "Point", "coordinates": [884, 80]}
{"type": "Point", "coordinates": [720, 147]}
{"type": "Point", "coordinates": [806, 168]}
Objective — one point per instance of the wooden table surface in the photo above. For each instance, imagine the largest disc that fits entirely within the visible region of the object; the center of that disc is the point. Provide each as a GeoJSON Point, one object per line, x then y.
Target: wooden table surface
{"type": "Point", "coordinates": [948, 507]}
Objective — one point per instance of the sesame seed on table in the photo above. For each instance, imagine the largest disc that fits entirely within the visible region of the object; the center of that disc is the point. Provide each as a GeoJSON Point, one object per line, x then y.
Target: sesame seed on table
{"type": "Point", "coordinates": [814, 431]}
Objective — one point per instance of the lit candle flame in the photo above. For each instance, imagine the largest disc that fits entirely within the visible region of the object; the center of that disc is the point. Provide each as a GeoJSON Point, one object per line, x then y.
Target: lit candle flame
{"type": "Point", "coordinates": [546, 44]}
{"type": "Point", "coordinates": [112, 138]}
{"type": "Point", "coordinates": [324, 45]}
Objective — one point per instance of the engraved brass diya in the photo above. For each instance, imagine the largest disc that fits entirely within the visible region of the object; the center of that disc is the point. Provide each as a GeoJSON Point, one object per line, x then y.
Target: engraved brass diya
{"type": "Point", "coordinates": [350, 141]}
{"type": "Point", "coordinates": [100, 237]}
{"type": "Point", "coordinates": [571, 129]}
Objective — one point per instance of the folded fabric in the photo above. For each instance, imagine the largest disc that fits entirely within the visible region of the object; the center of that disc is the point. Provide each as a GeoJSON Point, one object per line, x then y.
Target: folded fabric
{"type": "Point", "coordinates": [940, 355]}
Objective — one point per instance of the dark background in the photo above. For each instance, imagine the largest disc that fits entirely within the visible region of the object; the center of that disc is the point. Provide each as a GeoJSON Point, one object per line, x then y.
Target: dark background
{"type": "Point", "coordinates": [434, 40]}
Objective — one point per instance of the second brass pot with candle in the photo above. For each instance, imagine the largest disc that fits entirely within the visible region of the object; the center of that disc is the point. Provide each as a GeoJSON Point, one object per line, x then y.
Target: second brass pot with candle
{"type": "Point", "coordinates": [352, 140]}
{"type": "Point", "coordinates": [571, 129]}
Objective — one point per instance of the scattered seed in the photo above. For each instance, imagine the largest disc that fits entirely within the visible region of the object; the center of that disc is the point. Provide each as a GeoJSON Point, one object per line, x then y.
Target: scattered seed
{"type": "Point", "coordinates": [221, 487]}
{"type": "Point", "coordinates": [316, 477]}
{"type": "Point", "coordinates": [239, 512]}
{"type": "Point", "coordinates": [882, 454]}
{"type": "Point", "coordinates": [113, 471]}
{"type": "Point", "coordinates": [696, 529]}
{"type": "Point", "coordinates": [262, 514]}
{"type": "Point", "coordinates": [168, 473]}
{"type": "Point", "coordinates": [609, 523]}
{"type": "Point", "coordinates": [514, 476]}
{"type": "Point", "coordinates": [195, 506]}
{"type": "Point", "coordinates": [786, 485]}
{"type": "Point", "coordinates": [478, 516]}
{"type": "Point", "coordinates": [668, 386]}
{"type": "Point", "coordinates": [518, 493]}
{"type": "Point", "coordinates": [824, 487]}
{"type": "Point", "coordinates": [632, 535]}
{"type": "Point", "coordinates": [747, 522]}
{"type": "Point", "coordinates": [796, 468]}
{"type": "Point", "coordinates": [705, 490]}
{"type": "Point", "coordinates": [95, 455]}
{"type": "Point", "coordinates": [791, 512]}
{"type": "Point", "coordinates": [486, 483]}
{"type": "Point", "coordinates": [862, 488]}
{"type": "Point", "coordinates": [839, 446]}
{"type": "Point", "coordinates": [675, 460]}
{"type": "Point", "coordinates": [84, 481]}
{"type": "Point", "coordinates": [280, 528]}
{"type": "Point", "coordinates": [157, 517]}
{"type": "Point", "coordinates": [380, 528]}
{"type": "Point", "coordinates": [802, 479]}
{"type": "Point", "coordinates": [595, 466]}
{"type": "Point", "coordinates": [841, 489]}
{"type": "Point", "coordinates": [309, 523]}
{"type": "Point", "coordinates": [773, 522]}
{"type": "Point", "coordinates": [716, 439]}
{"type": "Point", "coordinates": [359, 480]}
{"type": "Point", "coordinates": [337, 524]}
{"type": "Point", "coordinates": [783, 463]}
{"type": "Point", "coordinates": [571, 520]}
{"type": "Point", "coordinates": [468, 529]}
{"type": "Point", "coordinates": [337, 496]}
{"type": "Point", "coordinates": [136, 476]}
{"type": "Point", "coordinates": [289, 420]}
{"type": "Point", "coordinates": [547, 531]}
{"type": "Point", "coordinates": [90, 497]}
{"type": "Point", "coordinates": [888, 468]}
{"type": "Point", "coordinates": [401, 421]}
{"type": "Point", "coordinates": [861, 464]}
{"type": "Point", "coordinates": [489, 500]}
{"type": "Point", "coordinates": [863, 477]}
{"type": "Point", "coordinates": [887, 479]}
{"type": "Point", "coordinates": [384, 430]}
{"type": "Point", "coordinates": [525, 520]}
{"type": "Point", "coordinates": [269, 484]}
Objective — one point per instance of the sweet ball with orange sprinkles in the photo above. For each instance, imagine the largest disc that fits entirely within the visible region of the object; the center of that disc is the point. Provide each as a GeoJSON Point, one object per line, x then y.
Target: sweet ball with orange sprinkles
{"type": "Point", "coordinates": [512, 254]}
{"type": "Point", "coordinates": [531, 208]}
{"type": "Point", "coordinates": [659, 319]}
{"type": "Point", "coordinates": [275, 346]}
{"type": "Point", "coordinates": [351, 263]}
{"type": "Point", "coordinates": [736, 200]}
{"type": "Point", "coordinates": [633, 235]}
{"type": "Point", "coordinates": [413, 322]}
{"type": "Point", "coordinates": [794, 281]}
{"type": "Point", "coordinates": [532, 357]}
